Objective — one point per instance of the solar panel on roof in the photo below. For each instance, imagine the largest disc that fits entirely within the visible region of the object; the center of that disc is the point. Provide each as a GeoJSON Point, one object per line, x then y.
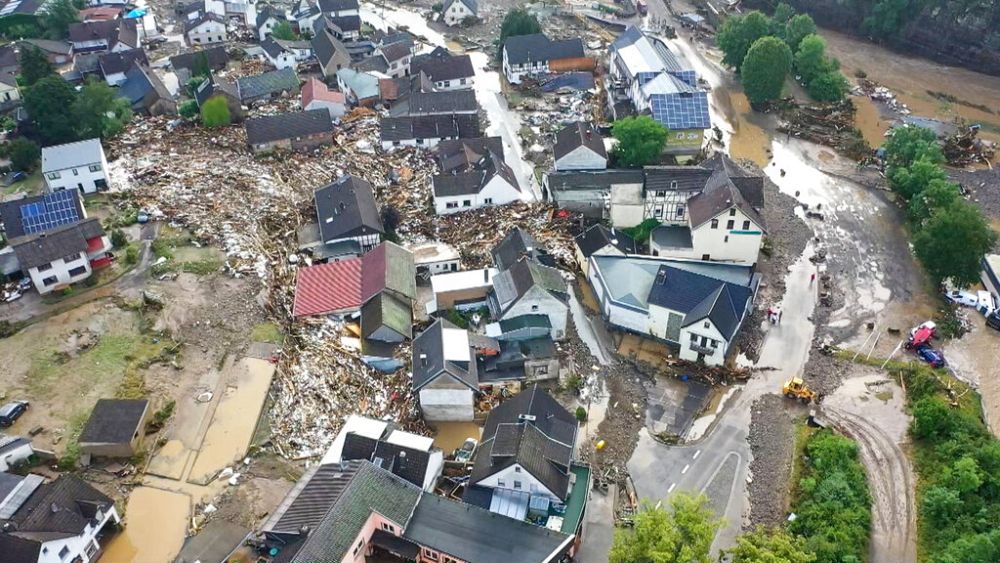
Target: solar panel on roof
{"type": "Point", "coordinates": [54, 210]}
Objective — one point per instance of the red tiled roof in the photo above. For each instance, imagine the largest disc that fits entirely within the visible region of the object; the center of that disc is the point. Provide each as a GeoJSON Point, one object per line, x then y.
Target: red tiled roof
{"type": "Point", "coordinates": [316, 90]}
{"type": "Point", "coordinates": [95, 244]}
{"type": "Point", "coordinates": [328, 288]}
{"type": "Point", "coordinates": [373, 273]}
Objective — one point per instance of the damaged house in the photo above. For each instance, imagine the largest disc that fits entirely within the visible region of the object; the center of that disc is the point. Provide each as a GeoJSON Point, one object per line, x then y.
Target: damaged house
{"type": "Point", "coordinates": [428, 130]}
{"type": "Point", "coordinates": [146, 92]}
{"type": "Point", "coordinates": [304, 130]}
{"type": "Point", "coordinates": [268, 86]}
{"type": "Point", "coordinates": [530, 288]}
{"type": "Point", "coordinates": [445, 70]}
{"type": "Point", "coordinates": [349, 223]}
{"type": "Point", "coordinates": [489, 182]}
{"type": "Point", "coordinates": [534, 55]}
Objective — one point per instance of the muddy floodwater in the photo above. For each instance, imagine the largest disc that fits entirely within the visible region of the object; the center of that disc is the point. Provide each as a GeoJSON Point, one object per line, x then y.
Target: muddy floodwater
{"type": "Point", "coordinates": [156, 522]}
{"type": "Point", "coordinates": [450, 436]}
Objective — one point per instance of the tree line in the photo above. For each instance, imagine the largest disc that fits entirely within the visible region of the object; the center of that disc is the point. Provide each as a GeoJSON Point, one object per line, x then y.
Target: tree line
{"type": "Point", "coordinates": [764, 49]}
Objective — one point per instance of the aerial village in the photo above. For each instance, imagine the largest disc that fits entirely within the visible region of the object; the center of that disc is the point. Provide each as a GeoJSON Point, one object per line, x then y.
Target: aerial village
{"type": "Point", "coordinates": [468, 281]}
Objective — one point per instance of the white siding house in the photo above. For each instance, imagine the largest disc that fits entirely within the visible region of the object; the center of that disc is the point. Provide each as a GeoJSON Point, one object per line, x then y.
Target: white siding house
{"type": "Point", "coordinates": [497, 190]}
{"type": "Point", "coordinates": [83, 547]}
{"type": "Point", "coordinates": [206, 30]}
{"type": "Point", "coordinates": [454, 12]}
{"type": "Point", "coordinates": [80, 165]}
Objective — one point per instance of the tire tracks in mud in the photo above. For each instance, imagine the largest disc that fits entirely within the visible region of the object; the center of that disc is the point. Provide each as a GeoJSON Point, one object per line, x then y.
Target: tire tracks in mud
{"type": "Point", "coordinates": [892, 486]}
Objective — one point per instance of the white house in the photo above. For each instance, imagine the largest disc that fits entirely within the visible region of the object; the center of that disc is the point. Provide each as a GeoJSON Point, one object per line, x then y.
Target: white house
{"type": "Point", "coordinates": [454, 12]}
{"type": "Point", "coordinates": [315, 95]}
{"type": "Point", "coordinates": [56, 258]}
{"type": "Point", "coordinates": [579, 146]}
{"type": "Point", "coordinates": [339, 8]}
{"type": "Point", "coordinates": [10, 95]}
{"type": "Point", "coordinates": [529, 288]}
{"type": "Point", "coordinates": [206, 29]}
{"type": "Point", "coordinates": [464, 290]}
{"type": "Point", "coordinates": [80, 165]}
{"type": "Point", "coordinates": [78, 511]}
{"type": "Point", "coordinates": [445, 70]}
{"type": "Point", "coordinates": [444, 373]}
{"type": "Point", "coordinates": [697, 306]}
{"type": "Point", "coordinates": [490, 183]}
{"type": "Point", "coordinates": [13, 451]}
{"type": "Point", "coordinates": [267, 20]}
{"type": "Point", "coordinates": [434, 257]}
{"type": "Point", "coordinates": [426, 131]}
{"type": "Point", "coordinates": [536, 54]}
{"type": "Point", "coordinates": [286, 54]}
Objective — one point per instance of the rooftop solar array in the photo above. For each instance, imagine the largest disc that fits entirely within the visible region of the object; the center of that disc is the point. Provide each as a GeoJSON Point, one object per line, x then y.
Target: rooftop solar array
{"type": "Point", "coordinates": [53, 210]}
{"type": "Point", "coordinates": [681, 111]}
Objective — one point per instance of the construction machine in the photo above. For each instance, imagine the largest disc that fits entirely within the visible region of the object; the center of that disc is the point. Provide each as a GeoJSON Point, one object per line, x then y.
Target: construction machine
{"type": "Point", "coordinates": [795, 388]}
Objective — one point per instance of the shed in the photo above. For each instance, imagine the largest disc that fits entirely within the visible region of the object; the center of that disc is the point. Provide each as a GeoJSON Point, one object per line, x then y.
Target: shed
{"type": "Point", "coordinates": [116, 428]}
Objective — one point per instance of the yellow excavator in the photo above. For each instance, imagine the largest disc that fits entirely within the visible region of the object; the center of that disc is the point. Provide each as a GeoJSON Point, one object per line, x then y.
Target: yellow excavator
{"type": "Point", "coordinates": [795, 388]}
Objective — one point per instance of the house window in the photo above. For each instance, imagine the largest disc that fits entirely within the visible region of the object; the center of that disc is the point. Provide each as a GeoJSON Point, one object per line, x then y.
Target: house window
{"type": "Point", "coordinates": [45, 267]}
{"type": "Point", "coordinates": [501, 483]}
{"type": "Point", "coordinates": [714, 343]}
{"type": "Point", "coordinates": [706, 256]}
{"type": "Point", "coordinates": [78, 271]}
{"type": "Point", "coordinates": [430, 555]}
{"type": "Point", "coordinates": [358, 547]}
{"type": "Point", "coordinates": [746, 225]}
{"type": "Point", "coordinates": [488, 201]}
{"type": "Point", "coordinates": [92, 549]}
{"type": "Point", "coordinates": [673, 184]}
{"type": "Point", "coordinates": [449, 560]}
{"type": "Point", "coordinates": [420, 141]}
{"type": "Point", "coordinates": [447, 83]}
{"type": "Point", "coordinates": [661, 193]}
{"type": "Point", "coordinates": [64, 552]}
{"type": "Point", "coordinates": [707, 325]}
{"type": "Point", "coordinates": [694, 338]}
{"type": "Point", "coordinates": [658, 212]}
{"type": "Point", "coordinates": [71, 257]}
{"type": "Point", "coordinates": [76, 172]}
{"type": "Point", "coordinates": [462, 81]}
{"type": "Point", "coordinates": [730, 224]}
{"type": "Point", "coordinates": [388, 527]}
{"type": "Point", "coordinates": [54, 175]}
{"type": "Point", "coordinates": [451, 205]}
{"type": "Point", "coordinates": [517, 469]}
{"type": "Point", "coordinates": [517, 484]}
{"type": "Point", "coordinates": [732, 212]}
{"type": "Point", "coordinates": [715, 223]}
{"type": "Point", "coordinates": [395, 143]}
{"type": "Point", "coordinates": [680, 211]}
{"type": "Point", "coordinates": [95, 167]}
{"type": "Point", "coordinates": [534, 307]}
{"type": "Point", "coordinates": [466, 203]}
{"type": "Point", "coordinates": [726, 239]}
{"type": "Point", "coordinates": [51, 280]}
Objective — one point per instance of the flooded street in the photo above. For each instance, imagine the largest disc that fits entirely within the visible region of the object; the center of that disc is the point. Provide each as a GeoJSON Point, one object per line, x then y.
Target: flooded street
{"type": "Point", "coordinates": [157, 522]}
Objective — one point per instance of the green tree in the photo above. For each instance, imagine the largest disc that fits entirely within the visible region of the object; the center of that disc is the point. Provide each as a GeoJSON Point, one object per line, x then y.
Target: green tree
{"type": "Point", "coordinates": [782, 13]}
{"type": "Point", "coordinates": [931, 419]}
{"type": "Point", "coordinates": [100, 112]}
{"type": "Point", "coordinates": [188, 109]}
{"type": "Point", "coordinates": [964, 476]}
{"type": "Point", "coordinates": [911, 180]}
{"type": "Point", "coordinates": [284, 31]}
{"type": "Point", "coordinates": [193, 83]}
{"type": "Point", "coordinates": [738, 34]}
{"type": "Point", "coordinates": [909, 143]}
{"type": "Point", "coordinates": [797, 29]}
{"type": "Point", "coordinates": [215, 113]}
{"type": "Point", "coordinates": [59, 14]}
{"type": "Point", "coordinates": [828, 87]}
{"type": "Point", "coordinates": [681, 535]}
{"type": "Point", "coordinates": [517, 22]}
{"type": "Point", "coordinates": [810, 58]}
{"type": "Point", "coordinates": [887, 17]}
{"type": "Point", "coordinates": [49, 103]}
{"type": "Point", "coordinates": [936, 195]}
{"type": "Point", "coordinates": [769, 545]}
{"type": "Point", "coordinates": [952, 243]}
{"type": "Point", "coordinates": [200, 66]}
{"type": "Point", "coordinates": [118, 238]}
{"type": "Point", "coordinates": [941, 504]}
{"type": "Point", "coordinates": [764, 69]}
{"type": "Point", "coordinates": [34, 64]}
{"type": "Point", "coordinates": [640, 141]}
{"type": "Point", "coordinates": [23, 154]}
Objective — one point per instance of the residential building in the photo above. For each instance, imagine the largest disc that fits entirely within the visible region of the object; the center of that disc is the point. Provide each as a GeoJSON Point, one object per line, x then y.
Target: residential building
{"type": "Point", "coordinates": [60, 520]}
{"type": "Point", "coordinates": [536, 54]}
{"type": "Point", "coordinates": [527, 288]}
{"type": "Point", "coordinates": [331, 53]}
{"type": "Point", "coordinates": [304, 130]}
{"type": "Point", "coordinates": [146, 92]}
{"type": "Point", "coordinates": [267, 19]}
{"type": "Point", "coordinates": [579, 146]}
{"type": "Point", "coordinates": [81, 165]}
{"type": "Point", "coordinates": [286, 54]}
{"type": "Point", "coordinates": [427, 131]}
{"type": "Point", "coordinates": [315, 95]}
{"type": "Point", "coordinates": [361, 88]}
{"type": "Point", "coordinates": [462, 291]}
{"type": "Point", "coordinates": [455, 12]}
{"type": "Point", "coordinates": [591, 192]}
{"type": "Point", "coordinates": [445, 374]}
{"type": "Point", "coordinates": [698, 307]}
{"type": "Point", "coordinates": [524, 467]}
{"type": "Point", "coordinates": [114, 66]}
{"type": "Point", "coordinates": [348, 217]}
{"type": "Point", "coordinates": [58, 257]}
{"type": "Point", "coordinates": [646, 77]}
{"type": "Point", "coordinates": [517, 244]}
{"type": "Point", "coordinates": [116, 428]}
{"type": "Point", "coordinates": [397, 56]}
{"type": "Point", "coordinates": [304, 15]}
{"type": "Point", "coordinates": [451, 102]}
{"type": "Point", "coordinates": [491, 182]}
{"type": "Point", "coordinates": [112, 35]}
{"type": "Point", "coordinates": [213, 87]}
{"type": "Point", "coordinates": [14, 451]}
{"type": "Point", "coordinates": [408, 456]}
{"type": "Point", "coordinates": [525, 327]}
{"type": "Point", "coordinates": [10, 94]}
{"type": "Point", "coordinates": [461, 155]}
{"type": "Point", "coordinates": [57, 52]}
{"type": "Point", "coordinates": [599, 240]}
{"type": "Point", "coordinates": [434, 257]}
{"type": "Point", "coordinates": [215, 58]}
{"type": "Point", "coordinates": [10, 59]}
{"type": "Point", "coordinates": [206, 29]}
{"type": "Point", "coordinates": [446, 71]}
{"type": "Point", "coordinates": [268, 86]}
{"type": "Point", "coordinates": [345, 28]}
{"type": "Point", "coordinates": [354, 511]}
{"type": "Point", "coordinates": [339, 8]}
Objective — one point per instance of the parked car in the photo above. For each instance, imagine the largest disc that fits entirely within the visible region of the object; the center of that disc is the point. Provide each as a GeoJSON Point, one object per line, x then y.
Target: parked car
{"type": "Point", "coordinates": [985, 302]}
{"type": "Point", "coordinates": [926, 324]}
{"type": "Point", "coordinates": [921, 336]}
{"type": "Point", "coordinates": [467, 450]}
{"type": "Point", "coordinates": [966, 298]}
{"type": "Point", "coordinates": [10, 412]}
{"type": "Point", "coordinates": [993, 320]}
{"type": "Point", "coordinates": [932, 357]}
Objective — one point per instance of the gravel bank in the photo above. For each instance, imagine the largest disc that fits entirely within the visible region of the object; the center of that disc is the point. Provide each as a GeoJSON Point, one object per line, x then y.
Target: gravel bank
{"type": "Point", "coordinates": [772, 441]}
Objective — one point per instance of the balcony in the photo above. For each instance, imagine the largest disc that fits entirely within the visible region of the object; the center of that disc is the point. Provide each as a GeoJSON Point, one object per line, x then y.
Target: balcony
{"type": "Point", "coordinates": [707, 350]}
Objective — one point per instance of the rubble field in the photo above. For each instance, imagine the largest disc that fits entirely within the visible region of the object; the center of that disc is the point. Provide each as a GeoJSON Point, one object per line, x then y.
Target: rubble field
{"type": "Point", "coordinates": [772, 444]}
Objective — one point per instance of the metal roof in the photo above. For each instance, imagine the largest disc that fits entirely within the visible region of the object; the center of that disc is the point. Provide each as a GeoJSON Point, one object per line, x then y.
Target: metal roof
{"type": "Point", "coordinates": [71, 155]}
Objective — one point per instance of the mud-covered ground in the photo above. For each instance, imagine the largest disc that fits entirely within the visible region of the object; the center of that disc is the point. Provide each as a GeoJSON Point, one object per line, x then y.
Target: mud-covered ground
{"type": "Point", "coordinates": [772, 442]}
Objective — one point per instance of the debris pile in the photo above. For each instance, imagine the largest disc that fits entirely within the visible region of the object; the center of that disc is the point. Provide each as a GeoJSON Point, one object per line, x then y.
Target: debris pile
{"type": "Point", "coordinates": [826, 124]}
{"type": "Point", "coordinates": [965, 147]}
{"type": "Point", "coordinates": [879, 93]}
{"type": "Point", "coordinates": [771, 438]}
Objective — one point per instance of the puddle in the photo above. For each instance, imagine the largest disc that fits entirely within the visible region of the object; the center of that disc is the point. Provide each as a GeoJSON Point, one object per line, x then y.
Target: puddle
{"type": "Point", "coordinates": [449, 436]}
{"type": "Point", "coordinates": [156, 523]}
{"type": "Point", "coordinates": [878, 399]}
{"type": "Point", "coordinates": [235, 419]}
{"type": "Point", "coordinates": [702, 424]}
{"type": "Point", "coordinates": [869, 121]}
{"type": "Point", "coordinates": [597, 410]}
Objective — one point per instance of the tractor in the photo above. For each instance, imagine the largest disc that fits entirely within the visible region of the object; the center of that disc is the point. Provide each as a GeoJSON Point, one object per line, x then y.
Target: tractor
{"type": "Point", "coordinates": [795, 388]}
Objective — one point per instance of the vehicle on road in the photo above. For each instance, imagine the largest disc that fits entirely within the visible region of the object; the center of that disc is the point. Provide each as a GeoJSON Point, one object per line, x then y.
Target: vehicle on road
{"type": "Point", "coordinates": [10, 412]}
{"type": "Point", "coordinates": [795, 388]}
{"type": "Point", "coordinates": [468, 449]}
{"type": "Point", "coordinates": [932, 357]}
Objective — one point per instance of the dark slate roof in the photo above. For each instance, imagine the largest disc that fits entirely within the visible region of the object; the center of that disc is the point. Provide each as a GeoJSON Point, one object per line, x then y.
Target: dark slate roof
{"type": "Point", "coordinates": [430, 103]}
{"type": "Point", "coordinates": [347, 208]}
{"type": "Point", "coordinates": [443, 66]}
{"type": "Point", "coordinates": [516, 244]}
{"type": "Point", "coordinates": [576, 135]}
{"type": "Point", "coordinates": [395, 51]}
{"type": "Point", "coordinates": [472, 182]}
{"type": "Point", "coordinates": [211, 87]}
{"type": "Point", "coordinates": [325, 45]}
{"type": "Point", "coordinates": [404, 462]}
{"type": "Point", "coordinates": [271, 47]}
{"type": "Point", "coordinates": [514, 282]}
{"type": "Point", "coordinates": [312, 497]}
{"type": "Point", "coordinates": [337, 5]}
{"type": "Point", "coordinates": [114, 421]}
{"type": "Point", "coordinates": [472, 5]}
{"type": "Point", "coordinates": [271, 82]}
{"type": "Point", "coordinates": [460, 155]}
{"type": "Point", "coordinates": [93, 31]}
{"type": "Point", "coordinates": [672, 236]}
{"type": "Point", "coordinates": [61, 508]}
{"type": "Point", "coordinates": [370, 490]}
{"type": "Point", "coordinates": [374, 63]}
{"type": "Point", "coordinates": [751, 186]}
{"type": "Point", "coordinates": [12, 212]}
{"type": "Point", "coordinates": [204, 17]}
{"type": "Point", "coordinates": [470, 533]}
{"type": "Point", "coordinates": [268, 12]}
{"type": "Point", "coordinates": [698, 296]}
{"type": "Point", "coordinates": [676, 178]}
{"type": "Point", "coordinates": [113, 63]}
{"type": "Point", "coordinates": [19, 550]}
{"type": "Point", "coordinates": [345, 23]}
{"type": "Point", "coordinates": [430, 127]}
{"type": "Point", "coordinates": [36, 250]}
{"type": "Point", "coordinates": [537, 47]}
{"type": "Point", "coordinates": [396, 544]}
{"type": "Point", "coordinates": [533, 430]}
{"type": "Point", "coordinates": [139, 82]}
{"type": "Point", "coordinates": [8, 57]}
{"type": "Point", "coordinates": [429, 363]}
{"type": "Point", "coordinates": [599, 236]}
{"type": "Point", "coordinates": [128, 32]}
{"type": "Point", "coordinates": [720, 194]}
{"type": "Point", "coordinates": [592, 179]}
{"type": "Point", "coordinates": [288, 125]}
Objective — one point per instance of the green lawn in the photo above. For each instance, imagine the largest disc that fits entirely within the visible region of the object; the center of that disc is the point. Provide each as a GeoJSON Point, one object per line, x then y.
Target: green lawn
{"type": "Point", "coordinates": [32, 185]}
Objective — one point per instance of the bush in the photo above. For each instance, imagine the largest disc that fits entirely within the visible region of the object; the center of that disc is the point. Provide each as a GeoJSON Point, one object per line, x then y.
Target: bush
{"type": "Point", "coordinates": [118, 238]}
{"type": "Point", "coordinates": [581, 414]}
{"type": "Point", "coordinates": [188, 109]}
{"type": "Point", "coordinates": [215, 113]}
{"type": "Point", "coordinates": [131, 255]}
{"type": "Point", "coordinates": [23, 154]}
{"type": "Point", "coordinates": [829, 87]}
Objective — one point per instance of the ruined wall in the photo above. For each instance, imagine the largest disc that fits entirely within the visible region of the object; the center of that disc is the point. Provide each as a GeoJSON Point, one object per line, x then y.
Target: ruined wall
{"type": "Point", "coordinates": [955, 32]}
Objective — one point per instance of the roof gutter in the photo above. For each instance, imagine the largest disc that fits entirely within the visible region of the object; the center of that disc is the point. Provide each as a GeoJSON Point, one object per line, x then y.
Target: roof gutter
{"type": "Point", "coordinates": [560, 550]}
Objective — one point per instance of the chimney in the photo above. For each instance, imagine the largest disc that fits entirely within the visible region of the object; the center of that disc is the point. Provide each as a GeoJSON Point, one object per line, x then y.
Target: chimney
{"type": "Point", "coordinates": [486, 275]}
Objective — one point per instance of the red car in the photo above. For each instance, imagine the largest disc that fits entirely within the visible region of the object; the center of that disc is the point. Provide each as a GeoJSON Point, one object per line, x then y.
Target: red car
{"type": "Point", "coordinates": [921, 337]}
